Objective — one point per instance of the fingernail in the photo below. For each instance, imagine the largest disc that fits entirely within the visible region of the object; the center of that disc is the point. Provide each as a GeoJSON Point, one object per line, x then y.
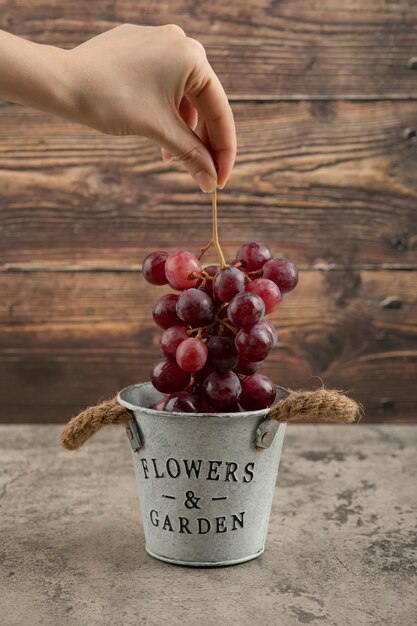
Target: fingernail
{"type": "Point", "coordinates": [166, 159]}
{"type": "Point", "coordinates": [206, 182]}
{"type": "Point", "coordinates": [221, 186]}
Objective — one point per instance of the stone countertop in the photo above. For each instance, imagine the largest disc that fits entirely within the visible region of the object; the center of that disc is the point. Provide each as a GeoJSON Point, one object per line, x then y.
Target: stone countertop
{"type": "Point", "coordinates": [340, 549]}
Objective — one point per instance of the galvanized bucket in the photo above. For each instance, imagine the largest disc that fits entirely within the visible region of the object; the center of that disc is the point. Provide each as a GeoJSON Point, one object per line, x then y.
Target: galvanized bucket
{"type": "Point", "coordinates": [205, 489]}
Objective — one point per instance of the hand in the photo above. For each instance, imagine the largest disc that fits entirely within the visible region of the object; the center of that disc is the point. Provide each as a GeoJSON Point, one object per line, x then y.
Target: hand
{"type": "Point", "coordinates": [158, 83]}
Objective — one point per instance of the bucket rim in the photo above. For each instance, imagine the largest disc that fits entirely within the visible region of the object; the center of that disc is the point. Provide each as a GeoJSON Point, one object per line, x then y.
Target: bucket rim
{"type": "Point", "coordinates": [154, 412]}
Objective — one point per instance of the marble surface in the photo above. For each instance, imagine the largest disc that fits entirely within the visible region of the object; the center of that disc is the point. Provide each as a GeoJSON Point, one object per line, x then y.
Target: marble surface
{"type": "Point", "coordinates": [341, 547]}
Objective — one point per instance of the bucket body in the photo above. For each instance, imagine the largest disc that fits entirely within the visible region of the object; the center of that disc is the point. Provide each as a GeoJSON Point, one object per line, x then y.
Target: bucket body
{"type": "Point", "coordinates": [205, 490]}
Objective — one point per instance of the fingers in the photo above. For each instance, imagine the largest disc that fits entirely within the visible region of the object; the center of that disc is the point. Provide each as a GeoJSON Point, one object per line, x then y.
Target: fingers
{"type": "Point", "coordinates": [212, 105]}
{"type": "Point", "coordinates": [180, 141]}
{"type": "Point", "coordinates": [201, 132]}
{"type": "Point", "coordinates": [190, 116]}
{"type": "Point", "coordinates": [210, 152]}
{"type": "Point", "coordinates": [188, 113]}
{"type": "Point", "coordinates": [166, 155]}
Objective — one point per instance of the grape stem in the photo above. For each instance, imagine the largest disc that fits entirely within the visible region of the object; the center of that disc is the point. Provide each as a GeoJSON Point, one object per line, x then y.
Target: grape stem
{"type": "Point", "coordinates": [229, 326]}
{"type": "Point", "coordinates": [204, 276]}
{"type": "Point", "coordinates": [204, 250]}
{"type": "Point", "coordinates": [215, 239]}
{"type": "Point", "coordinates": [199, 329]}
{"type": "Point", "coordinates": [255, 273]}
{"type": "Point", "coordinates": [222, 323]}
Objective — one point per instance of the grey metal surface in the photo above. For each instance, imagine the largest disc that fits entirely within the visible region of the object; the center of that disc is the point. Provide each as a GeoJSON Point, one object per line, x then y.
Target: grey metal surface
{"type": "Point", "coordinates": [205, 490]}
{"type": "Point", "coordinates": [341, 548]}
{"type": "Point", "coordinates": [133, 435]}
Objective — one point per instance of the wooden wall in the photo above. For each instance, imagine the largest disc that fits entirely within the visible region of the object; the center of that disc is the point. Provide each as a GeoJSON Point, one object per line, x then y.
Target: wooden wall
{"type": "Point", "coordinates": [325, 100]}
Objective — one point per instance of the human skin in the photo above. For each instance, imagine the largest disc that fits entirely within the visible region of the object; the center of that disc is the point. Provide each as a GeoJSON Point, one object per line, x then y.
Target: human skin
{"type": "Point", "coordinates": [151, 81]}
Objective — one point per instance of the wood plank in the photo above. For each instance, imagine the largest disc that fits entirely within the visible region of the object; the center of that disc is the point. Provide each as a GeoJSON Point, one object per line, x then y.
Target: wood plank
{"type": "Point", "coordinates": [286, 49]}
{"type": "Point", "coordinates": [67, 340]}
{"type": "Point", "coordinates": [322, 182]}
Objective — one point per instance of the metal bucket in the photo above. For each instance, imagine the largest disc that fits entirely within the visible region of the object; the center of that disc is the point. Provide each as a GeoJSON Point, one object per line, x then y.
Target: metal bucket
{"type": "Point", "coordinates": [205, 490]}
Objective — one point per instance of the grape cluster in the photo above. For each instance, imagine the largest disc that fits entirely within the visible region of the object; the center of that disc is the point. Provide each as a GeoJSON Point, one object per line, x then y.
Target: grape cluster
{"type": "Point", "coordinates": [215, 335]}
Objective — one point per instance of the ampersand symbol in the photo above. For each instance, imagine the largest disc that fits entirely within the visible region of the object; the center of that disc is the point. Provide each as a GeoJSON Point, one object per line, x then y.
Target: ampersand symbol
{"type": "Point", "coordinates": [192, 501]}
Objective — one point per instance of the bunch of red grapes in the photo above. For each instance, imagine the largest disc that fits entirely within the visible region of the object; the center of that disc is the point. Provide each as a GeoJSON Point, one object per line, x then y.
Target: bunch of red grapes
{"type": "Point", "coordinates": [215, 335]}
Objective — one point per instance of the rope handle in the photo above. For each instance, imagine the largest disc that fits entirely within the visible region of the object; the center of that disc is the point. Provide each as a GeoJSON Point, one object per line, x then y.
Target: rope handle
{"type": "Point", "coordinates": [322, 405]}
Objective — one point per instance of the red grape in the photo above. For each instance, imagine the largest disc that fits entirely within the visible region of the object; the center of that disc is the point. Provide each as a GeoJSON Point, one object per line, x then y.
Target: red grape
{"type": "Point", "coordinates": [153, 268]}
{"type": "Point", "coordinates": [208, 286]}
{"type": "Point", "coordinates": [227, 283]}
{"type": "Point", "coordinates": [271, 329]}
{"type": "Point", "coordinates": [247, 367]}
{"type": "Point", "coordinates": [232, 341]}
{"type": "Point", "coordinates": [159, 406]}
{"type": "Point", "coordinates": [200, 375]}
{"type": "Point", "coordinates": [282, 272]}
{"type": "Point", "coordinates": [268, 291]}
{"type": "Point", "coordinates": [206, 408]}
{"type": "Point", "coordinates": [191, 354]}
{"type": "Point", "coordinates": [171, 339]}
{"type": "Point", "coordinates": [222, 390]}
{"type": "Point", "coordinates": [167, 376]}
{"type": "Point", "coordinates": [222, 353]}
{"type": "Point", "coordinates": [165, 313]}
{"type": "Point", "coordinates": [254, 342]}
{"type": "Point", "coordinates": [182, 402]}
{"type": "Point", "coordinates": [253, 254]}
{"type": "Point", "coordinates": [203, 404]}
{"type": "Point", "coordinates": [258, 392]}
{"type": "Point", "coordinates": [195, 307]}
{"type": "Point", "coordinates": [178, 268]}
{"type": "Point", "coordinates": [245, 308]}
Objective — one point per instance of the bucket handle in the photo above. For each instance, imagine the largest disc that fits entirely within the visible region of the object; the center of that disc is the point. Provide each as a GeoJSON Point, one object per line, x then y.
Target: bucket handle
{"type": "Point", "coordinates": [322, 405]}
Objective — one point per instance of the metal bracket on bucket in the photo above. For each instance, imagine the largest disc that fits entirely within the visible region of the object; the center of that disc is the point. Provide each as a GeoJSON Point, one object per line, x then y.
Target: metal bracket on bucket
{"type": "Point", "coordinates": [265, 433]}
{"type": "Point", "coordinates": [269, 427]}
{"type": "Point", "coordinates": [133, 434]}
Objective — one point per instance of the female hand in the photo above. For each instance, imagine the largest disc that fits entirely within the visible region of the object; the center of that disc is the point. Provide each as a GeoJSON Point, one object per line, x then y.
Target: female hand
{"type": "Point", "coordinates": [137, 80]}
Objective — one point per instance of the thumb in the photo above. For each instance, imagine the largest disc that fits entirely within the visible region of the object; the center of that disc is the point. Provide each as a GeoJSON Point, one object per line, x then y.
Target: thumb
{"type": "Point", "coordinates": [186, 146]}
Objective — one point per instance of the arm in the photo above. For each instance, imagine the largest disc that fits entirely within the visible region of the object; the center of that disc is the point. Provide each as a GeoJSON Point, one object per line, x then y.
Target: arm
{"type": "Point", "coordinates": [131, 80]}
{"type": "Point", "coordinates": [32, 74]}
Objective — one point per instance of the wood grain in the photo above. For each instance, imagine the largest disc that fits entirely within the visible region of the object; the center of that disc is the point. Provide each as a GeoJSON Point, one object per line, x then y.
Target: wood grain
{"type": "Point", "coordinates": [324, 96]}
{"type": "Point", "coordinates": [260, 49]}
{"type": "Point", "coordinates": [70, 339]}
{"type": "Point", "coordinates": [327, 182]}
